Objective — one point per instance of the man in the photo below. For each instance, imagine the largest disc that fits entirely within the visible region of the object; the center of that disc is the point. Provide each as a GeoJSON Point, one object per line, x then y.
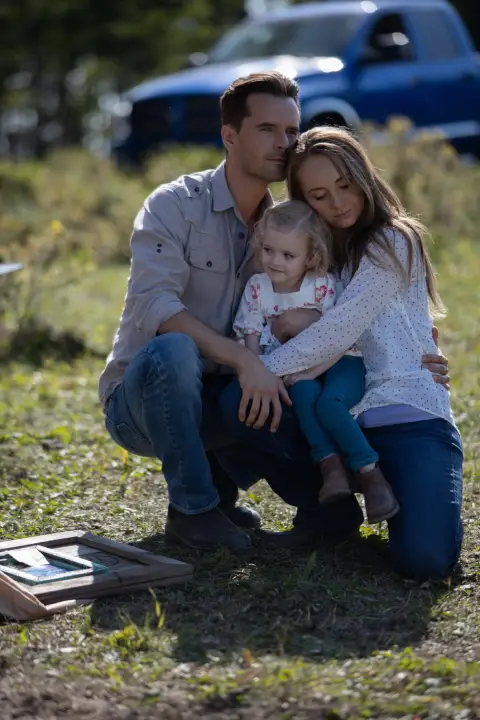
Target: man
{"type": "Point", "coordinates": [173, 355]}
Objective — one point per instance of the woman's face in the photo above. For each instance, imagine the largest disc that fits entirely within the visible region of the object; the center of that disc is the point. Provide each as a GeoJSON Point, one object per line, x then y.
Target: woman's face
{"type": "Point", "coordinates": [328, 192]}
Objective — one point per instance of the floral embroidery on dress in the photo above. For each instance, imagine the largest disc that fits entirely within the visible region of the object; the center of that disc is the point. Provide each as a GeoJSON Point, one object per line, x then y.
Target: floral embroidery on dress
{"type": "Point", "coordinates": [321, 292]}
{"type": "Point", "coordinates": [260, 304]}
{"type": "Point", "coordinates": [255, 291]}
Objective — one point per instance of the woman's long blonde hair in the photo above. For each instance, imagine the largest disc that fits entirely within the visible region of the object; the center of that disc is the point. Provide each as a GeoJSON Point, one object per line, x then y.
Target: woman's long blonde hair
{"type": "Point", "coordinates": [382, 210]}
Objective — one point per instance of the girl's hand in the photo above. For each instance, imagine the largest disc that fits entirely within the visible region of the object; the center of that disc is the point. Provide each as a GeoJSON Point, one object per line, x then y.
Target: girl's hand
{"type": "Point", "coordinates": [311, 374]}
{"type": "Point", "coordinates": [291, 322]}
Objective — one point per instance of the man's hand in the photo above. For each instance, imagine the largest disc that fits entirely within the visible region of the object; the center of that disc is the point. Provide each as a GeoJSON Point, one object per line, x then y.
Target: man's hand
{"type": "Point", "coordinates": [437, 364]}
{"type": "Point", "coordinates": [262, 394]}
{"type": "Point", "coordinates": [292, 322]}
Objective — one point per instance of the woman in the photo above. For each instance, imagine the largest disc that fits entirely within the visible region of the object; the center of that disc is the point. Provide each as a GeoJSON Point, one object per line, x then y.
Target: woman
{"type": "Point", "coordinates": [386, 309]}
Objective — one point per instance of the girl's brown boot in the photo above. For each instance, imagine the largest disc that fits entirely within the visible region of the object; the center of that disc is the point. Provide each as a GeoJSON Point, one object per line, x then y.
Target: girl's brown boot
{"type": "Point", "coordinates": [335, 480]}
{"type": "Point", "coordinates": [380, 502]}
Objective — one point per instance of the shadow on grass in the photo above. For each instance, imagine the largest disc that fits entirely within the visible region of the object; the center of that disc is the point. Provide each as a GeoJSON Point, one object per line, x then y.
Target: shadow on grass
{"type": "Point", "coordinates": [339, 602]}
{"type": "Point", "coordinates": [35, 342]}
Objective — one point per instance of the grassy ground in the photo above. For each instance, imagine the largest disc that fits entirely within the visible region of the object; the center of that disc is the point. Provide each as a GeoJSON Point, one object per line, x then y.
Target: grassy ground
{"type": "Point", "coordinates": [331, 635]}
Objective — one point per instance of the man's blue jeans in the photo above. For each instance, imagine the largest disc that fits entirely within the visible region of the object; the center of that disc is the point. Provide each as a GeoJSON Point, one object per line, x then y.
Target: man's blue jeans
{"type": "Point", "coordinates": [166, 408]}
{"type": "Point", "coordinates": [421, 460]}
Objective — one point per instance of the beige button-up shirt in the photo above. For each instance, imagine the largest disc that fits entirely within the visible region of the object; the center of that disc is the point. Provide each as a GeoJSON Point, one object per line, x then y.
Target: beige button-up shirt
{"type": "Point", "coordinates": [186, 248]}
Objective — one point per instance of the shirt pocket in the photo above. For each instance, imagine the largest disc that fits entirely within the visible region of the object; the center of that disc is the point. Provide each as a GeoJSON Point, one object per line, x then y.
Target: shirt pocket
{"type": "Point", "coordinates": [208, 257]}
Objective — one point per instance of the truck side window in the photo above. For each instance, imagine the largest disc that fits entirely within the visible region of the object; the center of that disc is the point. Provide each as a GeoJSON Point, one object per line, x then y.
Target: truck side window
{"type": "Point", "coordinates": [389, 41]}
{"type": "Point", "coordinates": [436, 33]}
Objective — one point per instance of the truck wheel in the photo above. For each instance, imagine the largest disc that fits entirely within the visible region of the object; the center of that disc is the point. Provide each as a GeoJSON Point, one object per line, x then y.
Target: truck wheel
{"type": "Point", "coordinates": [333, 119]}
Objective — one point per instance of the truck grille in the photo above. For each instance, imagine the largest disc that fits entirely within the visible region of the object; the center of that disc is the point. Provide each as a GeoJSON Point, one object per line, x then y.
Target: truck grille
{"type": "Point", "coordinates": [202, 118]}
{"type": "Point", "coordinates": [150, 118]}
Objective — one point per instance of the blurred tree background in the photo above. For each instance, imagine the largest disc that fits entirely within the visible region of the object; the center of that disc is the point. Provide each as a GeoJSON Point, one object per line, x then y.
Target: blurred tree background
{"type": "Point", "coordinates": [63, 62]}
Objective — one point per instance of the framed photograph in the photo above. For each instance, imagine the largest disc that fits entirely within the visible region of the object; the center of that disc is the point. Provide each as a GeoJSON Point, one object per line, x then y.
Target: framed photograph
{"type": "Point", "coordinates": [42, 564]}
{"type": "Point", "coordinates": [80, 565]}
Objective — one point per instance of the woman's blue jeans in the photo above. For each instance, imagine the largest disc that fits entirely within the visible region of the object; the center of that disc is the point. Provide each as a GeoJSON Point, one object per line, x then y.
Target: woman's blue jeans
{"type": "Point", "coordinates": [421, 460]}
{"type": "Point", "coordinates": [423, 463]}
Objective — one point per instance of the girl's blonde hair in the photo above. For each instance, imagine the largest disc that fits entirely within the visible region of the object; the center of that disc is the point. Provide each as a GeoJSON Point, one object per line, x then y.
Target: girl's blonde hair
{"type": "Point", "coordinates": [382, 210]}
{"type": "Point", "coordinates": [297, 216]}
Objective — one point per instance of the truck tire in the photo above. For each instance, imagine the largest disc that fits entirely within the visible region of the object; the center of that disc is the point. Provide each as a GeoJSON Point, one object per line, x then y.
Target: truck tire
{"type": "Point", "coordinates": [334, 119]}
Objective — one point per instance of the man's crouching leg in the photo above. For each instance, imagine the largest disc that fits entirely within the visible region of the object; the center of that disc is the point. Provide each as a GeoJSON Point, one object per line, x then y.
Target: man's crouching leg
{"type": "Point", "coordinates": [157, 411]}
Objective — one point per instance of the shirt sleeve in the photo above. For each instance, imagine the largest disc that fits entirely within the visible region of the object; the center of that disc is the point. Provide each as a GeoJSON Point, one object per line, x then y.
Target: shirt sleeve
{"type": "Point", "coordinates": [159, 271]}
{"type": "Point", "coordinates": [249, 319]}
{"type": "Point", "coordinates": [324, 293]}
{"type": "Point", "coordinates": [371, 289]}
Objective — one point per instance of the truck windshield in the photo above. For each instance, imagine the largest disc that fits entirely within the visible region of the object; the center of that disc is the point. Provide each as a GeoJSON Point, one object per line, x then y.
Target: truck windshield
{"type": "Point", "coordinates": [321, 36]}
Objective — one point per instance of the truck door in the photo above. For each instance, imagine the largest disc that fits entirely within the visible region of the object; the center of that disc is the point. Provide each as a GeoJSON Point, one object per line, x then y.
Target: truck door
{"type": "Point", "coordinates": [384, 72]}
{"type": "Point", "coordinates": [447, 74]}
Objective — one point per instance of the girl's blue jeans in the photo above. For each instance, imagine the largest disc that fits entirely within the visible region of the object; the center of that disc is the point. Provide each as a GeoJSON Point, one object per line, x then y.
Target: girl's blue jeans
{"type": "Point", "coordinates": [322, 408]}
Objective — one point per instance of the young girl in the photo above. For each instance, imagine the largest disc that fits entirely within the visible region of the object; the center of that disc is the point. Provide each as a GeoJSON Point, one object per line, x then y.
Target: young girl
{"type": "Point", "coordinates": [291, 242]}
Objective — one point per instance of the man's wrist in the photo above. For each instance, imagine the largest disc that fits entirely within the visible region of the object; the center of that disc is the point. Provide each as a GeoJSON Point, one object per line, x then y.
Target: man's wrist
{"type": "Point", "coordinates": [243, 357]}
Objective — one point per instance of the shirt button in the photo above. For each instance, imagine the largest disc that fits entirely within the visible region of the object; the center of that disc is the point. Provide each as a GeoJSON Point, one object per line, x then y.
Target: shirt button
{"type": "Point", "coordinates": [197, 189]}
{"type": "Point", "coordinates": [241, 235]}
{"type": "Point", "coordinates": [209, 263]}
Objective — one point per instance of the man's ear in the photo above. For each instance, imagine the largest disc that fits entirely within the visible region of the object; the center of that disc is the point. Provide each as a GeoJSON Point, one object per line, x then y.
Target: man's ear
{"type": "Point", "coordinates": [229, 136]}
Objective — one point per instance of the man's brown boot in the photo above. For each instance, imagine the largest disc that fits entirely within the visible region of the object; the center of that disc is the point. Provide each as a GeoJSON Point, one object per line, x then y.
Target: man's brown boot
{"type": "Point", "coordinates": [335, 480]}
{"type": "Point", "coordinates": [380, 502]}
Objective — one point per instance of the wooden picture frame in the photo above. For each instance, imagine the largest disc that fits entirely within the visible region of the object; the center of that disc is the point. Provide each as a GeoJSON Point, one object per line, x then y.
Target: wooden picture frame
{"type": "Point", "coordinates": [131, 568]}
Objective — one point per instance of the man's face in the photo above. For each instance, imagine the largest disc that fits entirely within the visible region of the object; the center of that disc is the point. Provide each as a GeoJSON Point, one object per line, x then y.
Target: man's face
{"type": "Point", "coordinates": [259, 148]}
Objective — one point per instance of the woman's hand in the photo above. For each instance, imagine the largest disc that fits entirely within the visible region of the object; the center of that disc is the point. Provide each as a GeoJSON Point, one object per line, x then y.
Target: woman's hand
{"type": "Point", "coordinates": [292, 322]}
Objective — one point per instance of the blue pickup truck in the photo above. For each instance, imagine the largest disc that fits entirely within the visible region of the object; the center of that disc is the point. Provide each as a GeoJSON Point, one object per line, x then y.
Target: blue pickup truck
{"type": "Point", "coordinates": [354, 62]}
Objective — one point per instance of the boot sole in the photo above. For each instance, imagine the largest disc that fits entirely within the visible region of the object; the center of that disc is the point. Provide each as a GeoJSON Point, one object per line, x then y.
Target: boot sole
{"type": "Point", "coordinates": [385, 516]}
{"type": "Point", "coordinates": [172, 539]}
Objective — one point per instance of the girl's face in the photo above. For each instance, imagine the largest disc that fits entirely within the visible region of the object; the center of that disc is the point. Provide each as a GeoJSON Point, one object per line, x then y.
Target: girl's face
{"type": "Point", "coordinates": [329, 194]}
{"type": "Point", "coordinates": [284, 257]}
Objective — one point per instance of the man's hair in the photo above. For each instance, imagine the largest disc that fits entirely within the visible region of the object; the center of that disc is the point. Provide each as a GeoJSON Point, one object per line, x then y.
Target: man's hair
{"type": "Point", "coordinates": [233, 103]}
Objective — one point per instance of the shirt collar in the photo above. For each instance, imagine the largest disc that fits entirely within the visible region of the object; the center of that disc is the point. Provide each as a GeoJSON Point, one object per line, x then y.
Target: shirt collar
{"type": "Point", "coordinates": [223, 198]}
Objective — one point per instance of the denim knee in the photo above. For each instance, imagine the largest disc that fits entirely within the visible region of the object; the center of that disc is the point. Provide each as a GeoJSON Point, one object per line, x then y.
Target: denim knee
{"type": "Point", "coordinates": [176, 358]}
{"type": "Point", "coordinates": [426, 563]}
{"type": "Point", "coordinates": [328, 404]}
